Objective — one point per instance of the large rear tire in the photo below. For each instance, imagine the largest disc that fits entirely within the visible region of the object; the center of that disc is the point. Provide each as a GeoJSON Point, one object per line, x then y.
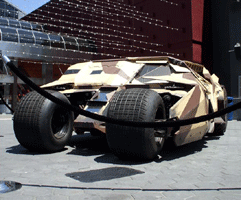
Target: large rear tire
{"type": "Point", "coordinates": [41, 125]}
{"type": "Point", "coordinates": [135, 143]}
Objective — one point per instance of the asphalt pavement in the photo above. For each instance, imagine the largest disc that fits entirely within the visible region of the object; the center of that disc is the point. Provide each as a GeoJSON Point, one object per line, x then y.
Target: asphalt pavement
{"type": "Point", "coordinates": [86, 169]}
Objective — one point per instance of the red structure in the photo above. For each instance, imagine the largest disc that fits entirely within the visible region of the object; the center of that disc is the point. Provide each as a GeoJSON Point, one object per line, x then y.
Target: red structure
{"type": "Point", "coordinates": [121, 28]}
{"type": "Point", "coordinates": [197, 29]}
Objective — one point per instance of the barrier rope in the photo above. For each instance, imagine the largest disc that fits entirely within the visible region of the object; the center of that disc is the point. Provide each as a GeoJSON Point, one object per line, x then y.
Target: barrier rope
{"type": "Point", "coordinates": [4, 102]}
{"type": "Point", "coordinates": [167, 123]}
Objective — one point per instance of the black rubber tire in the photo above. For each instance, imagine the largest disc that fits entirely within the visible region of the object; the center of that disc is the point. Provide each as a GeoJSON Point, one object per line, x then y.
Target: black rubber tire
{"type": "Point", "coordinates": [41, 125]}
{"type": "Point", "coordinates": [135, 143]}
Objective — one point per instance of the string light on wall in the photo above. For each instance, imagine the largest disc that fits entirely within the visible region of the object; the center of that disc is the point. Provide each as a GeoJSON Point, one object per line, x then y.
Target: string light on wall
{"type": "Point", "coordinates": [90, 26]}
{"type": "Point", "coordinates": [128, 14]}
{"type": "Point", "coordinates": [103, 34]}
{"type": "Point", "coordinates": [97, 33]}
{"type": "Point", "coordinates": [80, 11]}
{"type": "Point", "coordinates": [169, 2]}
{"type": "Point", "coordinates": [122, 5]}
{"type": "Point", "coordinates": [131, 15]}
{"type": "Point", "coordinates": [53, 57]}
{"type": "Point", "coordinates": [110, 25]}
{"type": "Point", "coordinates": [137, 17]}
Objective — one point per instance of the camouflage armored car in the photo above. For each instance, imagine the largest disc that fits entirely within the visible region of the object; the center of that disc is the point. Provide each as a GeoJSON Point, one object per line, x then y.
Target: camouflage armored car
{"type": "Point", "coordinates": [141, 89]}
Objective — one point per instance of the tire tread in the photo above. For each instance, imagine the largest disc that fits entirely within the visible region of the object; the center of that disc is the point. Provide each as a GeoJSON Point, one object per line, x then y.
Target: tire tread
{"type": "Point", "coordinates": [133, 142]}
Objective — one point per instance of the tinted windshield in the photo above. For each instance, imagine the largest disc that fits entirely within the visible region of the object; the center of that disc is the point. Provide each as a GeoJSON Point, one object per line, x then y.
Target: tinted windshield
{"type": "Point", "coordinates": [153, 70]}
{"type": "Point", "coordinates": [148, 68]}
{"type": "Point", "coordinates": [72, 71]}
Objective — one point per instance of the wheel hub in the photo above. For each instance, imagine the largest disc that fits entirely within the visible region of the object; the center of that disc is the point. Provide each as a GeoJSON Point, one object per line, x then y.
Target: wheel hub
{"type": "Point", "coordinates": [59, 123]}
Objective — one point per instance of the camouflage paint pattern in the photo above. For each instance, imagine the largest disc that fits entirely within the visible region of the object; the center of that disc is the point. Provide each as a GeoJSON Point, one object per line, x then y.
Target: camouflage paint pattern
{"type": "Point", "coordinates": [198, 92]}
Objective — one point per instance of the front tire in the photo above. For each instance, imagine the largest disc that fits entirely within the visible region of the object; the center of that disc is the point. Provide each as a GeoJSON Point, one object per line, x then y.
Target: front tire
{"type": "Point", "coordinates": [41, 125]}
{"type": "Point", "coordinates": [135, 143]}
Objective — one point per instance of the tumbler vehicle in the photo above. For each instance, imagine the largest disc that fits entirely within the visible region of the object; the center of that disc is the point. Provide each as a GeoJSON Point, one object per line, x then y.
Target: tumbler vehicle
{"type": "Point", "coordinates": [143, 89]}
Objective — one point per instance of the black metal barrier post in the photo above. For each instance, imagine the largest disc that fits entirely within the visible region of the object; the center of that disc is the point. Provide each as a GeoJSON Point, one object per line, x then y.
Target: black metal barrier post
{"type": "Point", "coordinates": [167, 123]}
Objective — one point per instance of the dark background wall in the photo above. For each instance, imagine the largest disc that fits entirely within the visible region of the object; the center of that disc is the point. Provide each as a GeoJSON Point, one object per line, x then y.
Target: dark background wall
{"type": "Point", "coordinates": [235, 37]}
{"type": "Point", "coordinates": [220, 41]}
{"type": "Point", "coordinates": [226, 27]}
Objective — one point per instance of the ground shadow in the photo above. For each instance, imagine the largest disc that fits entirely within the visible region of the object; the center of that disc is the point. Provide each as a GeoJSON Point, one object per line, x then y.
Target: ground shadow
{"type": "Point", "coordinates": [111, 158]}
{"type": "Point", "coordinates": [18, 149]}
{"type": "Point", "coordinates": [171, 152]}
{"type": "Point", "coordinates": [88, 145]}
{"type": "Point", "coordinates": [103, 174]}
